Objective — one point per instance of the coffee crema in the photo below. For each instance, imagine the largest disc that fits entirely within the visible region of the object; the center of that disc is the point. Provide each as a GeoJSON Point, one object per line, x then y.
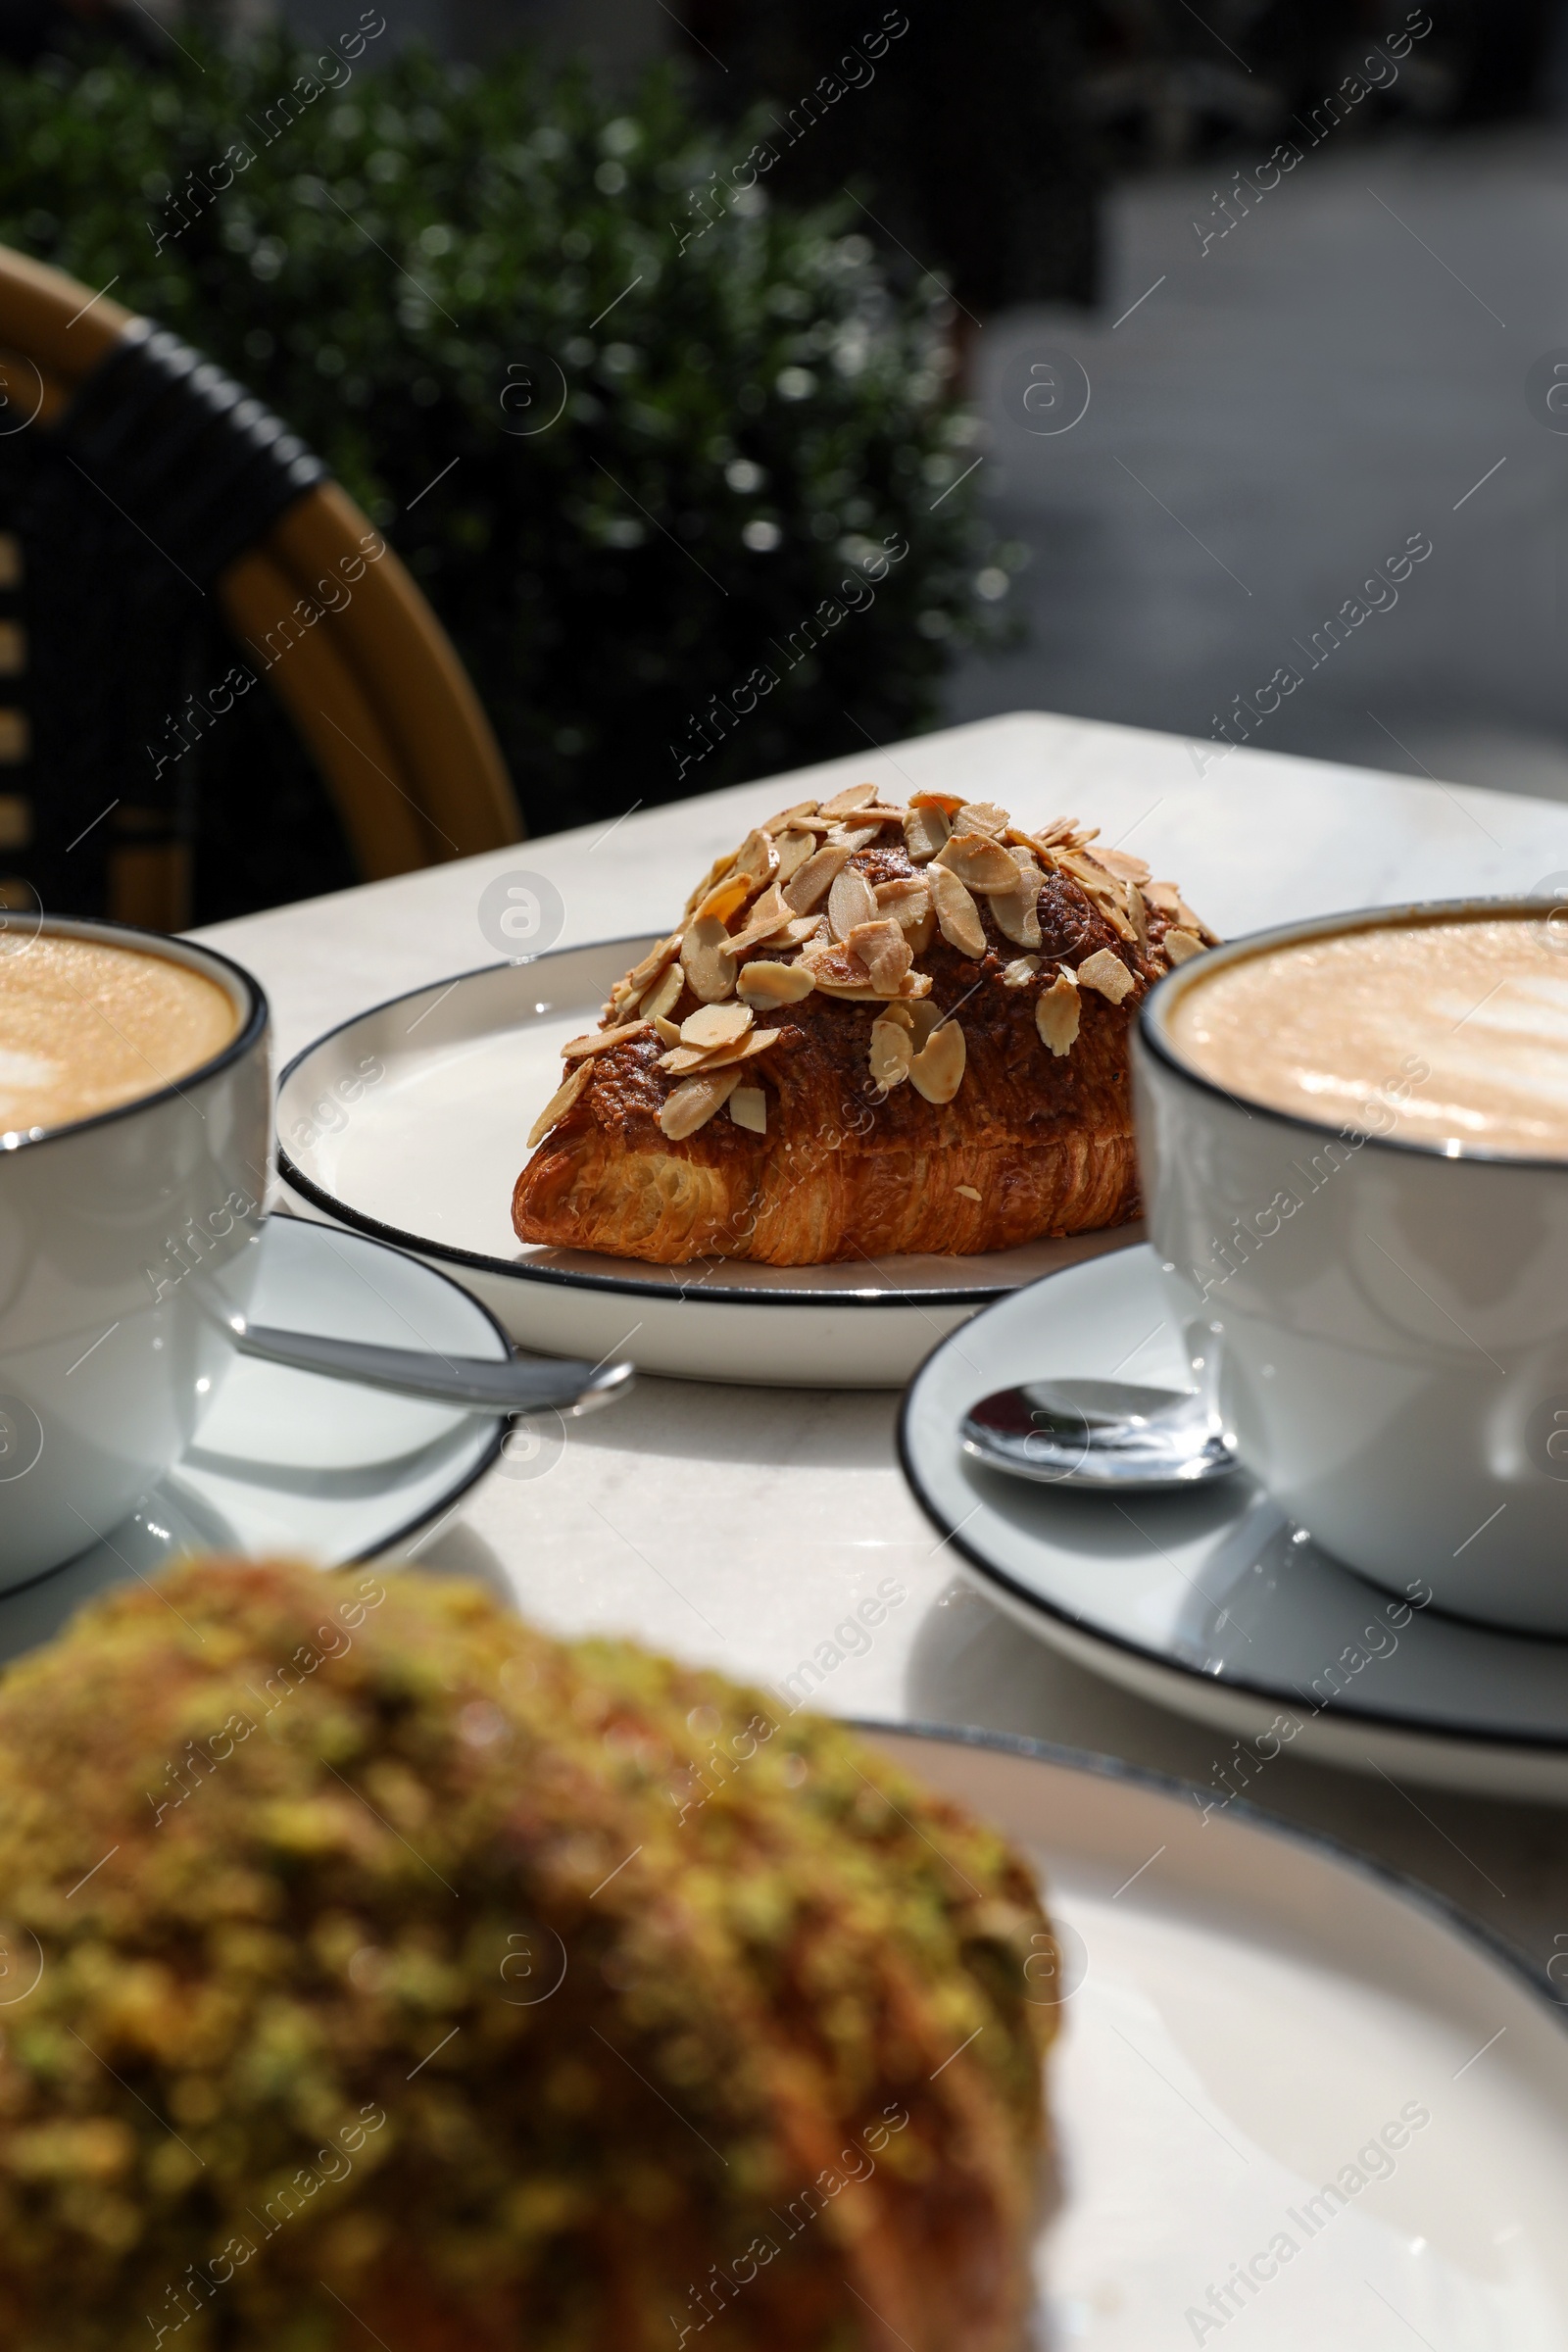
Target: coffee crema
{"type": "Point", "coordinates": [1433, 1032]}
{"type": "Point", "coordinates": [85, 1027]}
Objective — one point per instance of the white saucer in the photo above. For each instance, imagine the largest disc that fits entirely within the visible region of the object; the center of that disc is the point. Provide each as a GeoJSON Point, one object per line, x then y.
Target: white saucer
{"type": "Point", "coordinates": [410, 1123]}
{"type": "Point", "coordinates": [1210, 1602]}
{"type": "Point", "coordinates": [1248, 2011]}
{"type": "Point", "coordinates": [289, 1462]}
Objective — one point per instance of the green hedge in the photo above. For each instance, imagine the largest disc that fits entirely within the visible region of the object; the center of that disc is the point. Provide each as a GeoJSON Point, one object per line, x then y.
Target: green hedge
{"type": "Point", "coordinates": [755, 470]}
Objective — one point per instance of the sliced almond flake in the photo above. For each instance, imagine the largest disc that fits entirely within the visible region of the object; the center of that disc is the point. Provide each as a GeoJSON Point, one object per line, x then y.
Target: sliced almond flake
{"type": "Point", "coordinates": [852, 797]}
{"type": "Point", "coordinates": [853, 836]}
{"type": "Point", "coordinates": [1124, 865]}
{"type": "Point", "coordinates": [1020, 971]}
{"type": "Point", "coordinates": [913, 985]}
{"type": "Point", "coordinates": [560, 1103]}
{"type": "Point", "coordinates": [906, 897]}
{"type": "Point", "coordinates": [815, 877]}
{"type": "Point", "coordinates": [1016, 912]}
{"type": "Point", "coordinates": [923, 1018]}
{"type": "Point", "coordinates": [724, 897]}
{"type": "Point", "coordinates": [956, 912]}
{"type": "Point", "coordinates": [665, 995]}
{"type": "Point", "coordinates": [1138, 915]}
{"type": "Point", "coordinates": [1107, 894]}
{"type": "Point", "coordinates": [924, 832]}
{"type": "Point", "coordinates": [760, 1041]}
{"type": "Point", "coordinates": [1180, 946]}
{"type": "Point", "coordinates": [768, 916]}
{"type": "Point", "coordinates": [796, 932]}
{"type": "Point", "coordinates": [979, 863]}
{"type": "Point", "coordinates": [891, 1049]}
{"type": "Point", "coordinates": [708, 960]}
{"type": "Point", "coordinates": [1108, 973]}
{"type": "Point", "coordinates": [923, 932]}
{"type": "Point", "coordinates": [763, 983]}
{"type": "Point", "coordinates": [1176, 907]}
{"type": "Point", "coordinates": [969, 1191]}
{"type": "Point", "coordinates": [719, 1057]}
{"type": "Point", "coordinates": [748, 1108]}
{"type": "Point", "coordinates": [850, 902]}
{"type": "Point", "coordinates": [1056, 1013]}
{"type": "Point", "coordinates": [714, 874]}
{"type": "Point", "coordinates": [600, 1040]}
{"type": "Point", "coordinates": [787, 816]}
{"type": "Point", "coordinates": [884, 951]}
{"type": "Point", "coordinates": [828, 961]}
{"type": "Point", "coordinates": [1060, 828]}
{"type": "Point", "coordinates": [982, 816]}
{"type": "Point", "coordinates": [793, 851]}
{"type": "Point", "coordinates": [713, 1025]}
{"type": "Point", "coordinates": [937, 1070]}
{"type": "Point", "coordinates": [654, 963]}
{"type": "Point", "coordinates": [949, 802]}
{"type": "Point", "coordinates": [693, 1104]}
{"type": "Point", "coordinates": [668, 1034]}
{"type": "Point", "coordinates": [900, 1013]}
{"type": "Point", "coordinates": [756, 857]}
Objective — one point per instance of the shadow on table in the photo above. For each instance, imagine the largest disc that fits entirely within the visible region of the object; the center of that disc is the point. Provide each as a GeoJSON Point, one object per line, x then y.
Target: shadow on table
{"type": "Point", "coordinates": [818, 1429]}
{"type": "Point", "coordinates": [457, 1549]}
{"type": "Point", "coordinates": [1504, 1862]}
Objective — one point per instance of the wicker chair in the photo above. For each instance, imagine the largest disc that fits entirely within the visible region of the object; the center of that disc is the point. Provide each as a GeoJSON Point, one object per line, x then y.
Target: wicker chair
{"type": "Point", "coordinates": [165, 546]}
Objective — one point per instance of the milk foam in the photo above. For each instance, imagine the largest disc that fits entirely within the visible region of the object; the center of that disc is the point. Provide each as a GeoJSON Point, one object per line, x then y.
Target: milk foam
{"type": "Point", "coordinates": [85, 1027]}
{"type": "Point", "coordinates": [1429, 1031]}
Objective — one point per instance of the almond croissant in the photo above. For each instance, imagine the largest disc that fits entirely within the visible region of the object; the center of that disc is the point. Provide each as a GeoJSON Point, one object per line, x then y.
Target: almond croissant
{"type": "Point", "coordinates": [880, 1030]}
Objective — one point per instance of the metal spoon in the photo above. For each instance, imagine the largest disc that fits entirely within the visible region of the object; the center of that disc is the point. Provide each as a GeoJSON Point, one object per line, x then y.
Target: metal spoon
{"type": "Point", "coordinates": [1099, 1433]}
{"type": "Point", "coordinates": [510, 1385]}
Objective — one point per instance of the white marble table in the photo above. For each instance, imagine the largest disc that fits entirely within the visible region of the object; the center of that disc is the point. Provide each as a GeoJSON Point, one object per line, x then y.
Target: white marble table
{"type": "Point", "coordinates": [741, 1527]}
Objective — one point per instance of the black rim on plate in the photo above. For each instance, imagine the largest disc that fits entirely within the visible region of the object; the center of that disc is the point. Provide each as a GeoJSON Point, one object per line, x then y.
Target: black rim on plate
{"type": "Point", "coordinates": [634, 1285]}
{"type": "Point", "coordinates": [1160, 1661]}
{"type": "Point", "coordinates": [1440, 1908]}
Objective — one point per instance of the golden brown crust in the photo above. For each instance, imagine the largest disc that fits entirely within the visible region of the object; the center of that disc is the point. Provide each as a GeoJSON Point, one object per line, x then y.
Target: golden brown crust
{"type": "Point", "coordinates": [1033, 1143]}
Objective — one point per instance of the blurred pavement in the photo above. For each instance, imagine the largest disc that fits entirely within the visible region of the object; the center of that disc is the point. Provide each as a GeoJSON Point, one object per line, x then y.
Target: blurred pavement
{"type": "Point", "coordinates": [1278, 417]}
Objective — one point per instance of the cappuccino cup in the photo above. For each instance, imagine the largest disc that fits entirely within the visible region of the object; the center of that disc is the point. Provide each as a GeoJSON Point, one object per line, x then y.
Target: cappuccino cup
{"type": "Point", "coordinates": [134, 1129]}
{"type": "Point", "coordinates": [1354, 1135]}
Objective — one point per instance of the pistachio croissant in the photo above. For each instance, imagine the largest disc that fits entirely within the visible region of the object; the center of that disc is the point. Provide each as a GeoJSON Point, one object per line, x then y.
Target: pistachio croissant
{"type": "Point", "coordinates": [379, 1970]}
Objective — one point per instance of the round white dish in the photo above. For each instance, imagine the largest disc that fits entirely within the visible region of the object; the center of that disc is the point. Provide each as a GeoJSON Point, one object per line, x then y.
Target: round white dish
{"type": "Point", "coordinates": [293, 1463]}
{"type": "Point", "coordinates": [1254, 2023]}
{"type": "Point", "coordinates": [410, 1123]}
{"type": "Point", "coordinates": [1210, 1602]}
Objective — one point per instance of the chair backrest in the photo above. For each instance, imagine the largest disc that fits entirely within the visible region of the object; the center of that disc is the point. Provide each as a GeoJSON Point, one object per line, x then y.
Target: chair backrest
{"type": "Point", "coordinates": [165, 545]}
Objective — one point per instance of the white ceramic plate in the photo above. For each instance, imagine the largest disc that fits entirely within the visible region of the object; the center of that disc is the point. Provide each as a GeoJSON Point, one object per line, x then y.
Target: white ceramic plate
{"type": "Point", "coordinates": [1210, 1602]}
{"type": "Point", "coordinates": [410, 1123]}
{"type": "Point", "coordinates": [292, 1463]}
{"type": "Point", "coordinates": [1250, 2018]}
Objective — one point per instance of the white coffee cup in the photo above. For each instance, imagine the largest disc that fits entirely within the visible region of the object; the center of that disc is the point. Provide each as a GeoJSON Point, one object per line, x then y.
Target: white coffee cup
{"type": "Point", "coordinates": [127, 1245]}
{"type": "Point", "coordinates": [1390, 1316]}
